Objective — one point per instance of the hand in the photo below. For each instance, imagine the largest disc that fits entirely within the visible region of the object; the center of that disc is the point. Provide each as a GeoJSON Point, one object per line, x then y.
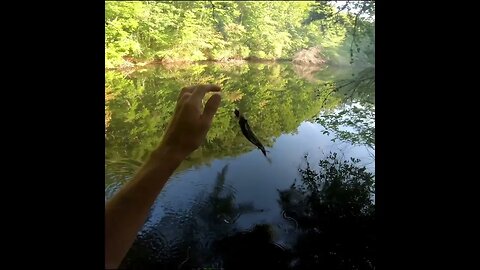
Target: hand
{"type": "Point", "coordinates": [191, 122]}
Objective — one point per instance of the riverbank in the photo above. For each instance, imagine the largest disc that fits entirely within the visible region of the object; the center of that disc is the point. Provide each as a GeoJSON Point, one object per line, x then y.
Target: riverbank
{"type": "Point", "coordinates": [312, 56]}
{"type": "Point", "coordinates": [134, 64]}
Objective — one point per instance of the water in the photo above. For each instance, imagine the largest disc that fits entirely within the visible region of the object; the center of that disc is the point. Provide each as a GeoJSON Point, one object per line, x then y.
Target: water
{"type": "Point", "coordinates": [227, 187]}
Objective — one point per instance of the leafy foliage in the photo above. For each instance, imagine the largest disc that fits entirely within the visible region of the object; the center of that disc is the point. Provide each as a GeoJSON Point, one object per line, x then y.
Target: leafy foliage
{"type": "Point", "coordinates": [221, 30]}
{"type": "Point", "coordinates": [274, 99]}
{"type": "Point", "coordinates": [333, 207]}
{"type": "Point", "coordinates": [354, 120]}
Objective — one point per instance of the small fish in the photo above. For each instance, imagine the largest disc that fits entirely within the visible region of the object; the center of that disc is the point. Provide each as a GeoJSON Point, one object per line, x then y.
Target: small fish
{"type": "Point", "coordinates": [248, 133]}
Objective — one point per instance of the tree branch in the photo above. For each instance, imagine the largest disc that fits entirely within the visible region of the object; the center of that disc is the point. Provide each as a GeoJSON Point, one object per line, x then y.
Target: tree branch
{"type": "Point", "coordinates": [213, 10]}
{"type": "Point", "coordinates": [355, 31]}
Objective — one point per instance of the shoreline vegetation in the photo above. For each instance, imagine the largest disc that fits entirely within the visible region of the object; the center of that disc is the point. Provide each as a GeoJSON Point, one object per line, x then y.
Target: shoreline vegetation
{"type": "Point", "coordinates": [311, 58]}
{"type": "Point", "coordinates": [173, 33]}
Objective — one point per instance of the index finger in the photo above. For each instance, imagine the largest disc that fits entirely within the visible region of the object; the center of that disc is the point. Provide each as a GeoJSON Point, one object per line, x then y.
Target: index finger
{"type": "Point", "coordinates": [185, 90]}
{"type": "Point", "coordinates": [200, 91]}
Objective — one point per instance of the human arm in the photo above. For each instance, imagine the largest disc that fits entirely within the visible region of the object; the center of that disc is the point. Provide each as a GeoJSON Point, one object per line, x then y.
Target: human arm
{"type": "Point", "coordinates": [127, 210]}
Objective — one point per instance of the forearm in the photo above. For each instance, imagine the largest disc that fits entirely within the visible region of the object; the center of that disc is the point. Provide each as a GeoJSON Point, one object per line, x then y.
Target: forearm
{"type": "Point", "coordinates": [128, 210]}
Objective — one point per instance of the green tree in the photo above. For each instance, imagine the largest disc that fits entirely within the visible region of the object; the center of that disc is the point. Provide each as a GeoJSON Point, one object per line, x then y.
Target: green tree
{"type": "Point", "coordinates": [121, 24]}
{"type": "Point", "coordinates": [215, 30]}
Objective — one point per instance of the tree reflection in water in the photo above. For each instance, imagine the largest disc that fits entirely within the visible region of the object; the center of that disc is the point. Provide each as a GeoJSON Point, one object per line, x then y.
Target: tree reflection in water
{"type": "Point", "coordinates": [332, 207]}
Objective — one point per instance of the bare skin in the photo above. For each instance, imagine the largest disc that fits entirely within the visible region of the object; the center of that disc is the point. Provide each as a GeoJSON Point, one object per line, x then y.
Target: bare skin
{"type": "Point", "coordinates": [128, 210]}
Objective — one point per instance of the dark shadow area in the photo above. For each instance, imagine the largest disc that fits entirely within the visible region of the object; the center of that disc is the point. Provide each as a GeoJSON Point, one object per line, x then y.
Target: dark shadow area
{"type": "Point", "coordinates": [254, 249]}
{"type": "Point", "coordinates": [335, 212]}
{"type": "Point", "coordinates": [332, 209]}
{"type": "Point", "coordinates": [183, 239]}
